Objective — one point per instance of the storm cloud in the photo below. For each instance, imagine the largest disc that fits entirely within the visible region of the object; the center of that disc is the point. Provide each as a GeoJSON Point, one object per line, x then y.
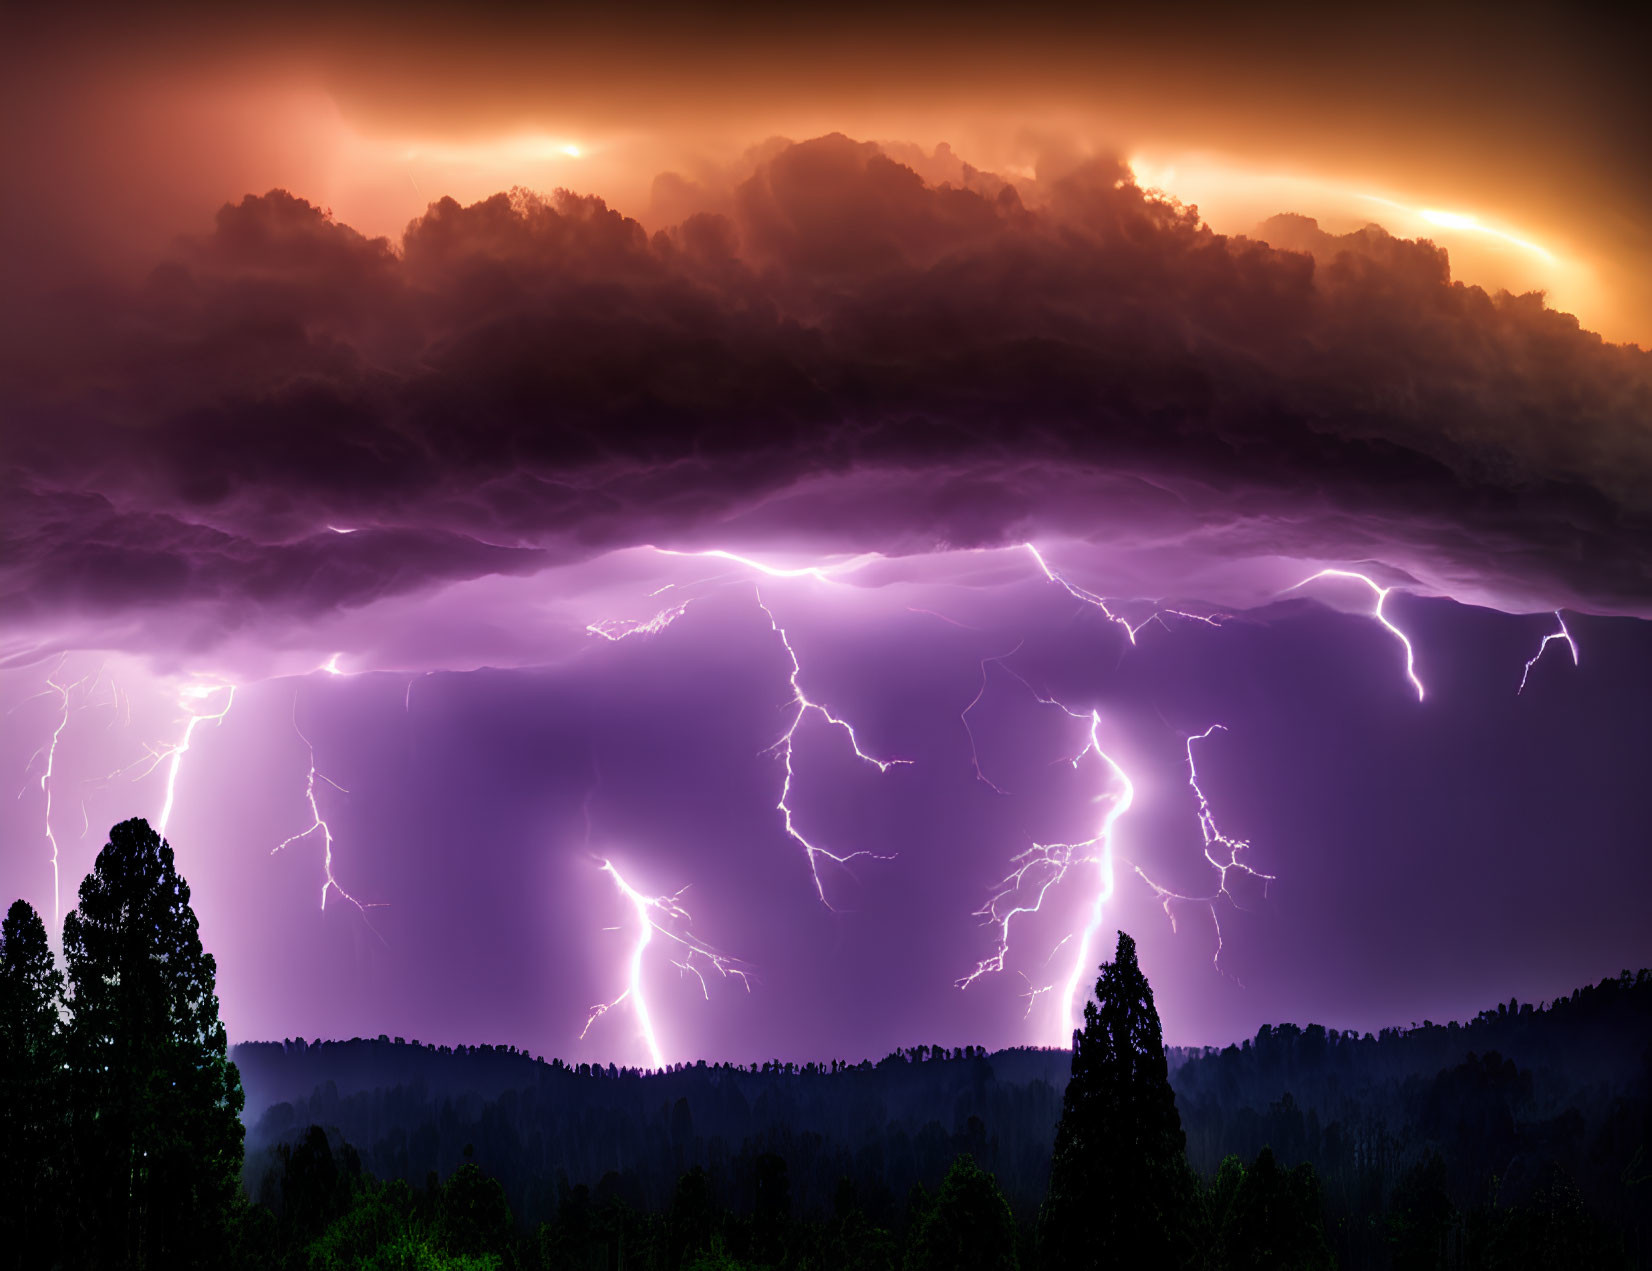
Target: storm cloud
{"type": "Point", "coordinates": [834, 355]}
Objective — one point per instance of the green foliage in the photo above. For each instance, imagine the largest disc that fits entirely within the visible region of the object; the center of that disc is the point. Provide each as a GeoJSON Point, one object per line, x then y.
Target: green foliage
{"type": "Point", "coordinates": [381, 1232]}
{"type": "Point", "coordinates": [1553, 1228]}
{"type": "Point", "coordinates": [155, 1101]}
{"type": "Point", "coordinates": [1120, 1189]}
{"type": "Point", "coordinates": [473, 1216]}
{"type": "Point", "coordinates": [1264, 1218]}
{"type": "Point", "coordinates": [31, 1090]}
{"type": "Point", "coordinates": [968, 1228]}
{"type": "Point", "coordinates": [717, 1262]}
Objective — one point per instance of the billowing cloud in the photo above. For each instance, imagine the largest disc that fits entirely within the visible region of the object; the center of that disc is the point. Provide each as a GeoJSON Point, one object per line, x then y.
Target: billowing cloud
{"type": "Point", "coordinates": [835, 354]}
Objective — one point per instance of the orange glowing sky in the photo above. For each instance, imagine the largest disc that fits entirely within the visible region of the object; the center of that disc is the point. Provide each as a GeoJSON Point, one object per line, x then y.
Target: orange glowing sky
{"type": "Point", "coordinates": [1513, 140]}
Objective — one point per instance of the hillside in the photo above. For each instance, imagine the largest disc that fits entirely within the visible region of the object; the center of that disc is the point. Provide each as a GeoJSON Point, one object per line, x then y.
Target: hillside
{"type": "Point", "coordinates": [1503, 1100]}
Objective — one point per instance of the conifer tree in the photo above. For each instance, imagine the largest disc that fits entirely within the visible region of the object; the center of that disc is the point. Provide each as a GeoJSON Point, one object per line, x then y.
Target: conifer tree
{"type": "Point", "coordinates": [1120, 1188]}
{"type": "Point", "coordinates": [155, 1101]}
{"type": "Point", "coordinates": [32, 1109]}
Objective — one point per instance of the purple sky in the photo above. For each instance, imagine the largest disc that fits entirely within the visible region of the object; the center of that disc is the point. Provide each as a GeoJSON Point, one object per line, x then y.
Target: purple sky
{"type": "Point", "coordinates": [1429, 857]}
{"type": "Point", "coordinates": [508, 409]}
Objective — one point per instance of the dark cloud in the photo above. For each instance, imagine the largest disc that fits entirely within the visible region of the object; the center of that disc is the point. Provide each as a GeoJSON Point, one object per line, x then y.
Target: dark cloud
{"type": "Point", "coordinates": [530, 380]}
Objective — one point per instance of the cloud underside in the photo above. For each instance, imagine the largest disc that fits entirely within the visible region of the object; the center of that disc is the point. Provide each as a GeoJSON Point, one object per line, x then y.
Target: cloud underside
{"type": "Point", "coordinates": [837, 355]}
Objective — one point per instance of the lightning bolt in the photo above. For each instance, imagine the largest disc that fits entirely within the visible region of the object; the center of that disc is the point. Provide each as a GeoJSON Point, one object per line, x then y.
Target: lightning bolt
{"type": "Point", "coordinates": [49, 751]}
{"type": "Point", "coordinates": [1377, 613]}
{"type": "Point", "coordinates": [803, 706]}
{"type": "Point", "coordinates": [192, 699]}
{"type": "Point", "coordinates": [1215, 841]}
{"type": "Point", "coordinates": [614, 630]}
{"type": "Point", "coordinates": [963, 716]}
{"type": "Point", "coordinates": [820, 573]}
{"type": "Point", "coordinates": [1043, 866]}
{"type": "Point", "coordinates": [1097, 851]}
{"type": "Point", "coordinates": [665, 915]}
{"type": "Point", "coordinates": [1079, 593]}
{"type": "Point", "coordinates": [318, 825]}
{"type": "Point", "coordinates": [1097, 602]}
{"type": "Point", "coordinates": [190, 694]}
{"type": "Point", "coordinates": [1562, 634]}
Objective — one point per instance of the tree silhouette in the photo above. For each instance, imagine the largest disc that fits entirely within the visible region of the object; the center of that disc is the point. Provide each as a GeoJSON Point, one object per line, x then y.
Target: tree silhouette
{"type": "Point", "coordinates": [473, 1216]}
{"type": "Point", "coordinates": [32, 1110]}
{"type": "Point", "coordinates": [1120, 1189]}
{"type": "Point", "coordinates": [968, 1228]}
{"type": "Point", "coordinates": [1264, 1218]}
{"type": "Point", "coordinates": [155, 1100]}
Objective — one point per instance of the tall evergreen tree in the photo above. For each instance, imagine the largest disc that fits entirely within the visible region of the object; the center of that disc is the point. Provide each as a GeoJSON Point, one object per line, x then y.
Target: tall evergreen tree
{"type": "Point", "coordinates": [1120, 1188]}
{"type": "Point", "coordinates": [155, 1101]}
{"type": "Point", "coordinates": [32, 1109]}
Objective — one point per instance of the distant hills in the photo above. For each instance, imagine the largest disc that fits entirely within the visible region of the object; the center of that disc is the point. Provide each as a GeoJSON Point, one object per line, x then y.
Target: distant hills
{"type": "Point", "coordinates": [1501, 1100]}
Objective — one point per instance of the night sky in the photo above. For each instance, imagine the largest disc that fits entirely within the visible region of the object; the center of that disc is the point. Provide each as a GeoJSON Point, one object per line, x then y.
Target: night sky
{"type": "Point", "coordinates": [835, 472]}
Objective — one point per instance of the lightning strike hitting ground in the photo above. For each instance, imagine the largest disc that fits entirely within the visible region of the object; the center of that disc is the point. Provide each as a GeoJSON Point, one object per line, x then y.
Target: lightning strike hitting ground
{"type": "Point", "coordinates": [1562, 634]}
{"type": "Point", "coordinates": [1377, 613]}
{"type": "Point", "coordinates": [665, 915]}
{"type": "Point", "coordinates": [318, 824]}
{"type": "Point", "coordinates": [1215, 841]}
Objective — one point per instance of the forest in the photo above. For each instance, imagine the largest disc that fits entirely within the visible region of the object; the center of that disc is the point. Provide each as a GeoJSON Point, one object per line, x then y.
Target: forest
{"type": "Point", "coordinates": [135, 1138]}
{"type": "Point", "coordinates": [1423, 1140]}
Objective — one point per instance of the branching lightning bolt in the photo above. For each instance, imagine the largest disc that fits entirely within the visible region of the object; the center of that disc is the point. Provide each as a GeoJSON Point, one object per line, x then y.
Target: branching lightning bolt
{"type": "Point", "coordinates": [1097, 602]}
{"type": "Point", "coordinates": [1377, 613]}
{"type": "Point", "coordinates": [1079, 593]}
{"type": "Point", "coordinates": [192, 693]}
{"type": "Point", "coordinates": [803, 704]}
{"type": "Point", "coordinates": [616, 629]}
{"type": "Point", "coordinates": [192, 699]}
{"type": "Point", "coordinates": [1043, 865]}
{"type": "Point", "coordinates": [1562, 634]}
{"type": "Point", "coordinates": [665, 915]}
{"type": "Point", "coordinates": [820, 573]}
{"type": "Point", "coordinates": [963, 717]}
{"type": "Point", "coordinates": [49, 751]}
{"type": "Point", "coordinates": [318, 824]}
{"type": "Point", "coordinates": [1215, 841]}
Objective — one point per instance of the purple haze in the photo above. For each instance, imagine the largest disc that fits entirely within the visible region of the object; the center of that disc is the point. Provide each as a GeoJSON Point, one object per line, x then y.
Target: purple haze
{"type": "Point", "coordinates": [431, 470]}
